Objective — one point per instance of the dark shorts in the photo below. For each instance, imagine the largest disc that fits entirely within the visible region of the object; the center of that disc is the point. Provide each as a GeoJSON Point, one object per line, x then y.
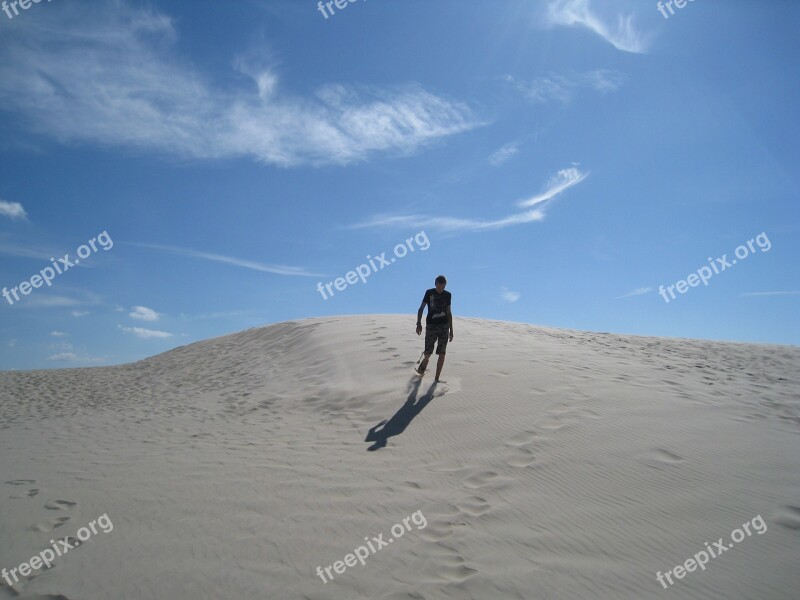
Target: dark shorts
{"type": "Point", "coordinates": [434, 333]}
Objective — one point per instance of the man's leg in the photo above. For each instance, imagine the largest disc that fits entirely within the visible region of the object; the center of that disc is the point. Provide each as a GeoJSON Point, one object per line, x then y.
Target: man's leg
{"type": "Point", "coordinates": [441, 348]}
{"type": "Point", "coordinates": [424, 364]}
{"type": "Point", "coordinates": [439, 366]}
{"type": "Point", "coordinates": [430, 339]}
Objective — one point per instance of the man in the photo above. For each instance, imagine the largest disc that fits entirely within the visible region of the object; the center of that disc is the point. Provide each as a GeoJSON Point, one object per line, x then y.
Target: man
{"type": "Point", "coordinates": [438, 324]}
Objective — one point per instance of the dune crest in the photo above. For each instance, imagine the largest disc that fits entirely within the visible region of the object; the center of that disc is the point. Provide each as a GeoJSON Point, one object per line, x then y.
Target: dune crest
{"type": "Point", "coordinates": [549, 464]}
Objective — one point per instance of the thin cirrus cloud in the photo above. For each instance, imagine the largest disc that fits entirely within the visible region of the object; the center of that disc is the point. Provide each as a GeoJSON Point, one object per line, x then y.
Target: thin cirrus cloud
{"type": "Point", "coordinates": [64, 356]}
{"type": "Point", "coordinates": [54, 301]}
{"type": "Point", "coordinates": [145, 334]}
{"type": "Point", "coordinates": [624, 36]}
{"type": "Point", "coordinates": [230, 260]}
{"type": "Point", "coordinates": [107, 74]}
{"type": "Point", "coordinates": [72, 357]}
{"type": "Point", "coordinates": [786, 293]}
{"type": "Point", "coordinates": [563, 88]}
{"type": "Point", "coordinates": [637, 292]}
{"type": "Point", "coordinates": [502, 154]}
{"type": "Point", "coordinates": [11, 245]}
{"type": "Point", "coordinates": [563, 180]}
{"type": "Point", "coordinates": [23, 251]}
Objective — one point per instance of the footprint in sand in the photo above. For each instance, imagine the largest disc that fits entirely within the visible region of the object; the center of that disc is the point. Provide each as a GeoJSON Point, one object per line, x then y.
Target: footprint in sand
{"type": "Point", "coordinates": [442, 523]}
{"type": "Point", "coordinates": [480, 479]}
{"type": "Point", "coordinates": [437, 529]}
{"type": "Point", "coordinates": [18, 482]}
{"type": "Point", "coordinates": [789, 517]}
{"type": "Point", "coordinates": [521, 458]}
{"type": "Point", "coordinates": [474, 506]}
{"type": "Point", "coordinates": [522, 444]}
{"type": "Point", "coordinates": [50, 524]}
{"type": "Point", "coordinates": [450, 565]}
{"type": "Point", "coordinates": [522, 439]}
{"type": "Point", "coordinates": [661, 457]}
{"type": "Point", "coordinates": [60, 505]}
{"type": "Point", "coordinates": [551, 423]}
{"type": "Point", "coordinates": [566, 415]}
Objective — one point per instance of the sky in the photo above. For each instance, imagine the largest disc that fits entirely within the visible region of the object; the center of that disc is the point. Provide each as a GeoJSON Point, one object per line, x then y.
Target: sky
{"type": "Point", "coordinates": [176, 171]}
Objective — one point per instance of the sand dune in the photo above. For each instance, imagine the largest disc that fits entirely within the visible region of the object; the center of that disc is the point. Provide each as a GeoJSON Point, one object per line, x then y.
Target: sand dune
{"type": "Point", "coordinates": [549, 464]}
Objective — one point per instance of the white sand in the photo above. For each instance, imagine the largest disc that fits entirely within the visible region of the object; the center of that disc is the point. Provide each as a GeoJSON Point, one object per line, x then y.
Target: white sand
{"type": "Point", "coordinates": [551, 464]}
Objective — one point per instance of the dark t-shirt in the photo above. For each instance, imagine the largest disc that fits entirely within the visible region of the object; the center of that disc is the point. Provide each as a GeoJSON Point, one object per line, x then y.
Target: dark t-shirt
{"type": "Point", "coordinates": [436, 307]}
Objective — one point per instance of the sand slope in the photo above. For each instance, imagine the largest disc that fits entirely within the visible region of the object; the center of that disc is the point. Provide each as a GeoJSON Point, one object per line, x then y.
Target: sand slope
{"type": "Point", "coordinates": [551, 464]}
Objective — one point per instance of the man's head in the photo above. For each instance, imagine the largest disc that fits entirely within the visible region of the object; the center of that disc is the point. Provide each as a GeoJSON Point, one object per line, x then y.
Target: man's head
{"type": "Point", "coordinates": [440, 282]}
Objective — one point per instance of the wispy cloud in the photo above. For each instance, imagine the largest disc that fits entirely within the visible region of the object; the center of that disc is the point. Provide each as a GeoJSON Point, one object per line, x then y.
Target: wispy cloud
{"type": "Point", "coordinates": [562, 88]}
{"type": "Point", "coordinates": [226, 314]}
{"type": "Point", "coordinates": [52, 302]}
{"type": "Point", "coordinates": [58, 334]}
{"type": "Point", "coordinates": [501, 155]}
{"type": "Point", "coordinates": [144, 334]}
{"type": "Point", "coordinates": [786, 293]}
{"type": "Point", "coordinates": [449, 223]}
{"type": "Point", "coordinates": [45, 300]}
{"type": "Point", "coordinates": [230, 260]}
{"type": "Point", "coordinates": [64, 356]}
{"type": "Point", "coordinates": [80, 313]}
{"type": "Point", "coordinates": [13, 210]}
{"type": "Point", "coordinates": [63, 346]}
{"type": "Point", "coordinates": [563, 180]}
{"type": "Point", "coordinates": [636, 292]}
{"type": "Point", "coordinates": [510, 296]}
{"type": "Point", "coordinates": [110, 74]}
{"type": "Point", "coordinates": [143, 313]}
{"type": "Point", "coordinates": [624, 36]}
{"type": "Point", "coordinates": [10, 247]}
{"type": "Point", "coordinates": [13, 245]}
{"type": "Point", "coordinates": [72, 357]}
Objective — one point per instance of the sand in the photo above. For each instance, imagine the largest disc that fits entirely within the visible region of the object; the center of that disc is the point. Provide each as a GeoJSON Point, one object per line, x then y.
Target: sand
{"type": "Point", "coordinates": [548, 464]}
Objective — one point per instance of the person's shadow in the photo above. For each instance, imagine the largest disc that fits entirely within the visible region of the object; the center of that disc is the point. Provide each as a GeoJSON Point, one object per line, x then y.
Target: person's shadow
{"type": "Point", "coordinates": [398, 423]}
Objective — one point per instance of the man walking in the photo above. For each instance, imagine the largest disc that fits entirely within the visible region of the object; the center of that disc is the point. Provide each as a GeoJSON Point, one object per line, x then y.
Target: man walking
{"type": "Point", "coordinates": [438, 324]}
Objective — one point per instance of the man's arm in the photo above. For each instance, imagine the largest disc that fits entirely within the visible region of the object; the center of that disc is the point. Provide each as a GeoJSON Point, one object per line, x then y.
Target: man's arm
{"type": "Point", "coordinates": [422, 307]}
{"type": "Point", "coordinates": [419, 312]}
{"type": "Point", "coordinates": [450, 320]}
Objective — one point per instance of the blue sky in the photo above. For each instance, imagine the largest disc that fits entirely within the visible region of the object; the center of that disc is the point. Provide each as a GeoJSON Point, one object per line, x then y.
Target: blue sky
{"type": "Point", "coordinates": [564, 160]}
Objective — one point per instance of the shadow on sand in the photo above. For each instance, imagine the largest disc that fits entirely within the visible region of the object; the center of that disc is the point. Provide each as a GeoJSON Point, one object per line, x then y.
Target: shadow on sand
{"type": "Point", "coordinates": [398, 423]}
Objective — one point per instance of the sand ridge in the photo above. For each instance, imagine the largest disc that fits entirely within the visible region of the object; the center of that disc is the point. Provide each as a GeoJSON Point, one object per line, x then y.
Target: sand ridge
{"type": "Point", "coordinates": [549, 464]}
